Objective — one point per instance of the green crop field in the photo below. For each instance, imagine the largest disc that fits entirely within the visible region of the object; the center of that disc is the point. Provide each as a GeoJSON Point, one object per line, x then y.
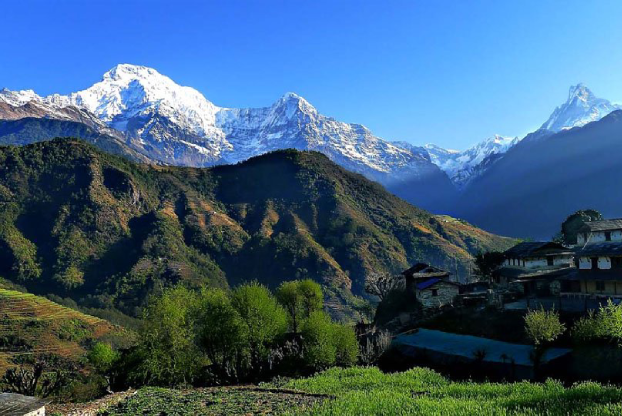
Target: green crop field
{"type": "Point", "coordinates": [368, 391]}
{"type": "Point", "coordinates": [32, 325]}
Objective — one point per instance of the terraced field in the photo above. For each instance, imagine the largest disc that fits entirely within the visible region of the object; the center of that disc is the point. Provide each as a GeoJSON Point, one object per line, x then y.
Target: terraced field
{"type": "Point", "coordinates": [32, 325]}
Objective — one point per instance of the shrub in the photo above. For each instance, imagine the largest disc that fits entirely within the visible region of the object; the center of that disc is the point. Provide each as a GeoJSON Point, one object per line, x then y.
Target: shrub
{"type": "Point", "coordinates": [168, 354]}
{"type": "Point", "coordinates": [606, 324]}
{"type": "Point", "coordinates": [543, 326]}
{"type": "Point", "coordinates": [264, 318]}
{"type": "Point", "coordinates": [300, 298]}
{"type": "Point", "coordinates": [222, 333]}
{"type": "Point", "coordinates": [318, 343]}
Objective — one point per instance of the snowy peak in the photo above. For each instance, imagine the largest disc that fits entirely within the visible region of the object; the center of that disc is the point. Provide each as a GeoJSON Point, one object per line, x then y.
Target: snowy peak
{"type": "Point", "coordinates": [581, 107]}
{"type": "Point", "coordinates": [18, 98]}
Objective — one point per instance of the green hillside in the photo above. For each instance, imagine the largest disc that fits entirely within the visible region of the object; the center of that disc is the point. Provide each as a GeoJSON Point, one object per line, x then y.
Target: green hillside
{"type": "Point", "coordinates": [104, 231]}
{"type": "Point", "coordinates": [32, 326]}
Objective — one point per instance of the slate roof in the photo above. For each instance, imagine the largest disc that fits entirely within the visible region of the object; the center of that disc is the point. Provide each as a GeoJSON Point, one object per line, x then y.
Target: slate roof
{"type": "Point", "coordinates": [425, 270]}
{"type": "Point", "coordinates": [520, 273]}
{"type": "Point", "coordinates": [591, 274]}
{"type": "Point", "coordinates": [466, 346]}
{"type": "Point", "coordinates": [528, 249]}
{"type": "Point", "coordinates": [608, 248]}
{"type": "Point", "coordinates": [431, 282]}
{"type": "Point", "coordinates": [602, 225]}
{"type": "Point", "coordinates": [12, 404]}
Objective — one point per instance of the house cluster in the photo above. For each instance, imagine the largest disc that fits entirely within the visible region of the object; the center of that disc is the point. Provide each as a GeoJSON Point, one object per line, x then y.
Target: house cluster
{"type": "Point", "coordinates": [589, 270]}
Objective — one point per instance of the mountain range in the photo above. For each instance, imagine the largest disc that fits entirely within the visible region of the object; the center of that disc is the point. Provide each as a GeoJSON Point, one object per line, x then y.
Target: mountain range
{"type": "Point", "coordinates": [143, 115]}
{"type": "Point", "coordinates": [106, 232]}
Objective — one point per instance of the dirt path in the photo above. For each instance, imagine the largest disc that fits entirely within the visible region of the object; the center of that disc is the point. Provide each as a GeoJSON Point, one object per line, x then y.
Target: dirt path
{"type": "Point", "coordinates": [89, 408]}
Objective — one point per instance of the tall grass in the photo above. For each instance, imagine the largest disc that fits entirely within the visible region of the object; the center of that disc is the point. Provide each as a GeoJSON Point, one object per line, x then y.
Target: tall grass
{"type": "Point", "coordinates": [420, 391]}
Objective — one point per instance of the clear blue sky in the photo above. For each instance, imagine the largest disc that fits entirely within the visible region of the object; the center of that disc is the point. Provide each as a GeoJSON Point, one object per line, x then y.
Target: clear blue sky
{"type": "Point", "coordinates": [448, 72]}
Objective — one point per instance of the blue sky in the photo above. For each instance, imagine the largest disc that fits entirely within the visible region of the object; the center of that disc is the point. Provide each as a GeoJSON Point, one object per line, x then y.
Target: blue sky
{"type": "Point", "coordinates": [447, 72]}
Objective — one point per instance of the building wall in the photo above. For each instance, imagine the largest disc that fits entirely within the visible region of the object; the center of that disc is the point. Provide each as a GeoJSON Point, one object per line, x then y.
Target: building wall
{"type": "Point", "coordinates": [599, 237]}
{"type": "Point", "coordinates": [610, 288]}
{"type": "Point", "coordinates": [446, 295]}
{"type": "Point", "coordinates": [539, 262]}
{"type": "Point", "coordinates": [604, 263]}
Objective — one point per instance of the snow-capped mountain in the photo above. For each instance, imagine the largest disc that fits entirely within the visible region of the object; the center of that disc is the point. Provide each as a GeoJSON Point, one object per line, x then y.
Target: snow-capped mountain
{"type": "Point", "coordinates": [462, 167]}
{"type": "Point", "coordinates": [581, 107]}
{"type": "Point", "coordinates": [177, 125]}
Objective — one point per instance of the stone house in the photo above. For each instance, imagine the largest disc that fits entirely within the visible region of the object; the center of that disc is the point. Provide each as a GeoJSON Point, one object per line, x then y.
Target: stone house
{"type": "Point", "coordinates": [431, 285]}
{"type": "Point", "coordinates": [600, 232]}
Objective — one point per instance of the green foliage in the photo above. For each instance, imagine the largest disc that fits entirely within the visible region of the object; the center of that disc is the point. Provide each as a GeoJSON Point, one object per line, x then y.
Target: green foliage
{"type": "Point", "coordinates": [103, 357]}
{"type": "Point", "coordinates": [300, 298]}
{"type": "Point", "coordinates": [420, 391]}
{"type": "Point", "coordinates": [326, 343]}
{"type": "Point", "coordinates": [605, 325]}
{"type": "Point", "coordinates": [168, 354]}
{"type": "Point", "coordinates": [572, 224]}
{"type": "Point", "coordinates": [222, 333]}
{"type": "Point", "coordinates": [264, 318]}
{"type": "Point", "coordinates": [543, 326]}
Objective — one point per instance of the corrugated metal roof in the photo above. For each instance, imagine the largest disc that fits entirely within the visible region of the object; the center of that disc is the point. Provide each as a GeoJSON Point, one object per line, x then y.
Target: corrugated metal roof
{"type": "Point", "coordinates": [12, 404]}
{"type": "Point", "coordinates": [467, 346]}
{"type": "Point", "coordinates": [603, 225]}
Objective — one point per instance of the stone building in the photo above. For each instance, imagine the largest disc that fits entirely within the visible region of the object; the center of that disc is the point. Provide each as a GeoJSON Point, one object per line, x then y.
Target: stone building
{"type": "Point", "coordinates": [431, 285]}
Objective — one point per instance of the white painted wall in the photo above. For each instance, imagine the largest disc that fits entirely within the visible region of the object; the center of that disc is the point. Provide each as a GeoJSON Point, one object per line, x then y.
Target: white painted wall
{"type": "Point", "coordinates": [585, 263]}
{"type": "Point", "coordinates": [599, 237]}
{"type": "Point", "coordinates": [604, 263]}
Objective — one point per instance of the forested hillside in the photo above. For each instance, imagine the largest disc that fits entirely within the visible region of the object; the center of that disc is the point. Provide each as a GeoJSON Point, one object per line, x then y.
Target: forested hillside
{"type": "Point", "coordinates": [104, 231]}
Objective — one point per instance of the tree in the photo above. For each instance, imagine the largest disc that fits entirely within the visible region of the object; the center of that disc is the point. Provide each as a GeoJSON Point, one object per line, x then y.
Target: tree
{"type": "Point", "coordinates": [572, 224]}
{"type": "Point", "coordinates": [103, 358]}
{"type": "Point", "coordinates": [381, 284]}
{"type": "Point", "coordinates": [300, 298]}
{"type": "Point", "coordinates": [44, 378]}
{"type": "Point", "coordinates": [346, 345]}
{"type": "Point", "coordinates": [264, 318]}
{"type": "Point", "coordinates": [318, 342]}
{"type": "Point", "coordinates": [222, 333]}
{"type": "Point", "coordinates": [168, 353]}
{"type": "Point", "coordinates": [606, 325]}
{"type": "Point", "coordinates": [542, 326]}
{"type": "Point", "coordinates": [487, 263]}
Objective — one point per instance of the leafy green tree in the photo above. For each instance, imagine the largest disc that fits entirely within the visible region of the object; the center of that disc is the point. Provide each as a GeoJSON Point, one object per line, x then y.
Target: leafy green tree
{"type": "Point", "coordinates": [346, 344]}
{"type": "Point", "coordinates": [168, 353]}
{"type": "Point", "coordinates": [606, 324]}
{"type": "Point", "coordinates": [542, 326]}
{"type": "Point", "coordinates": [264, 318]}
{"type": "Point", "coordinates": [318, 341]}
{"type": "Point", "coordinates": [300, 298]}
{"type": "Point", "coordinates": [103, 358]}
{"type": "Point", "coordinates": [222, 333]}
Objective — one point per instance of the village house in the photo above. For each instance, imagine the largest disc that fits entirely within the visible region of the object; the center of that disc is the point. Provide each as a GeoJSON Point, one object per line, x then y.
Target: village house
{"type": "Point", "coordinates": [599, 258]}
{"type": "Point", "coordinates": [600, 232]}
{"type": "Point", "coordinates": [536, 268]}
{"type": "Point", "coordinates": [431, 285]}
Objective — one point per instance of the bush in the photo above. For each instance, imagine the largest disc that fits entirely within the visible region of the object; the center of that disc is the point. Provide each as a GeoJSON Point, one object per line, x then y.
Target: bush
{"type": "Point", "coordinates": [605, 325]}
{"type": "Point", "coordinates": [326, 343]}
{"type": "Point", "coordinates": [300, 298]}
{"type": "Point", "coordinates": [543, 326]}
{"type": "Point", "coordinates": [264, 318]}
{"type": "Point", "coordinates": [168, 354]}
{"type": "Point", "coordinates": [222, 333]}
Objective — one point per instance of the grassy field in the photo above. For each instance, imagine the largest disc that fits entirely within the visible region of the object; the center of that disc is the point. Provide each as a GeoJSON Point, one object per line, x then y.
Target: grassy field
{"type": "Point", "coordinates": [363, 391]}
{"type": "Point", "coordinates": [31, 325]}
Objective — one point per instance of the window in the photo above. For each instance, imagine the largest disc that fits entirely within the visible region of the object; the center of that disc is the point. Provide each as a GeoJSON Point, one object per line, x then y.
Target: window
{"type": "Point", "coordinates": [549, 261]}
{"type": "Point", "coordinates": [594, 262]}
{"type": "Point", "coordinates": [600, 285]}
{"type": "Point", "coordinates": [616, 262]}
{"type": "Point", "coordinates": [434, 292]}
{"type": "Point", "coordinates": [607, 235]}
